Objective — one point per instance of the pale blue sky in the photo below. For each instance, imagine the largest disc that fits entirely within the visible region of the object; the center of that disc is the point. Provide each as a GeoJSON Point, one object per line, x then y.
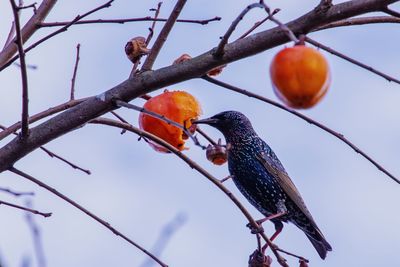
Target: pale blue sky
{"type": "Point", "coordinates": [138, 190]}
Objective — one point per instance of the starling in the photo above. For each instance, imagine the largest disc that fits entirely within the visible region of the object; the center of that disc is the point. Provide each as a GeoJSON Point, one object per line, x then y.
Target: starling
{"type": "Point", "coordinates": [261, 178]}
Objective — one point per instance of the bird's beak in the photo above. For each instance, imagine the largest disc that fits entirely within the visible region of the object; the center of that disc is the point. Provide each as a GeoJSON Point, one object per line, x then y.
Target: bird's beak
{"type": "Point", "coordinates": [208, 121]}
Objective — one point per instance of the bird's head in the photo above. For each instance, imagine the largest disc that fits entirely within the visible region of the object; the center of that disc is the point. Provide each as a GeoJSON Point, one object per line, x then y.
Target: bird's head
{"type": "Point", "coordinates": [229, 122]}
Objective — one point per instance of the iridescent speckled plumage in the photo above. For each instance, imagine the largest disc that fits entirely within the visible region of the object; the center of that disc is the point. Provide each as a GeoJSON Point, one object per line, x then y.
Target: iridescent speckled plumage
{"type": "Point", "coordinates": [262, 179]}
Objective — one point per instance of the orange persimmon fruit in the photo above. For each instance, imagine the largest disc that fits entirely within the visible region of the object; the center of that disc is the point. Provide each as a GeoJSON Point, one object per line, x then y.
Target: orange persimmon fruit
{"type": "Point", "coordinates": [300, 76]}
{"type": "Point", "coordinates": [178, 106]}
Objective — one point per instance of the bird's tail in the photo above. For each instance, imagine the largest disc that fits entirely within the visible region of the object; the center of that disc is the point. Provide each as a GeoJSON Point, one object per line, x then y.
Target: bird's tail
{"type": "Point", "coordinates": [319, 242]}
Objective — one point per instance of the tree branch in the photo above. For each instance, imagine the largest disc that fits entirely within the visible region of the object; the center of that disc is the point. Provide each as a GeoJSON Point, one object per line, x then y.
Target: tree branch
{"type": "Point", "coordinates": [16, 194]}
{"type": "Point", "coordinates": [44, 214]}
{"type": "Point", "coordinates": [351, 60]}
{"type": "Point", "coordinates": [24, 75]}
{"type": "Point", "coordinates": [359, 21]}
{"type": "Point", "coordinates": [51, 111]}
{"type": "Point", "coordinates": [307, 119]}
{"type": "Point", "coordinates": [63, 29]}
{"type": "Point", "coordinates": [122, 21]}
{"type": "Point", "coordinates": [28, 30]}
{"type": "Point", "coordinates": [224, 40]}
{"type": "Point", "coordinates": [87, 212]}
{"type": "Point", "coordinates": [162, 37]}
{"type": "Point", "coordinates": [72, 95]}
{"type": "Point", "coordinates": [147, 82]}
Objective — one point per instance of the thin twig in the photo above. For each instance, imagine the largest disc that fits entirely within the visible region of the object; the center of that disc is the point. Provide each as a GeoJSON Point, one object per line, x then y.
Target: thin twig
{"type": "Point", "coordinates": [122, 21]}
{"type": "Point", "coordinates": [72, 95]}
{"type": "Point", "coordinates": [120, 103]}
{"type": "Point", "coordinates": [224, 40]}
{"type": "Point", "coordinates": [16, 194]}
{"type": "Point", "coordinates": [358, 21]}
{"type": "Point", "coordinates": [63, 29]}
{"type": "Point", "coordinates": [28, 30]}
{"type": "Point", "coordinates": [51, 111]}
{"type": "Point", "coordinates": [258, 24]}
{"type": "Point", "coordinates": [192, 164]}
{"type": "Point", "coordinates": [162, 37]}
{"type": "Point", "coordinates": [307, 119]}
{"type": "Point", "coordinates": [351, 60]}
{"type": "Point", "coordinates": [153, 25]}
{"type": "Point", "coordinates": [147, 41]}
{"type": "Point", "coordinates": [54, 155]}
{"type": "Point", "coordinates": [44, 214]}
{"type": "Point", "coordinates": [223, 180]}
{"type": "Point", "coordinates": [283, 26]}
{"type": "Point", "coordinates": [33, 6]}
{"type": "Point", "coordinates": [24, 75]}
{"type": "Point", "coordinates": [36, 237]}
{"type": "Point", "coordinates": [74, 166]}
{"type": "Point", "coordinates": [209, 139]}
{"type": "Point", "coordinates": [84, 210]}
{"type": "Point", "coordinates": [121, 119]}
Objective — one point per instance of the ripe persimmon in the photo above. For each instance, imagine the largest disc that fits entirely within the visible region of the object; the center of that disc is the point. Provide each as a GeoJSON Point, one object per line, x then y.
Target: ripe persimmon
{"type": "Point", "coordinates": [178, 106]}
{"type": "Point", "coordinates": [300, 76]}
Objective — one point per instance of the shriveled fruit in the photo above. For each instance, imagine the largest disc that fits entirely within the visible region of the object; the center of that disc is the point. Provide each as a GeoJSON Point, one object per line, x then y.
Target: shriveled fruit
{"type": "Point", "coordinates": [136, 48]}
{"type": "Point", "coordinates": [300, 76]}
{"type": "Point", "coordinates": [217, 154]}
{"type": "Point", "coordinates": [178, 106]}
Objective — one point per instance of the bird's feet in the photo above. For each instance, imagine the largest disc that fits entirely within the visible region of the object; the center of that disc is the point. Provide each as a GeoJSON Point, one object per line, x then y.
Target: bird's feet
{"type": "Point", "coordinates": [255, 229]}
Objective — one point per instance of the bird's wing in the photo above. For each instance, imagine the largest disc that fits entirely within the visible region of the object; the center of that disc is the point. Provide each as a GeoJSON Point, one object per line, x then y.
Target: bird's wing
{"type": "Point", "coordinates": [285, 182]}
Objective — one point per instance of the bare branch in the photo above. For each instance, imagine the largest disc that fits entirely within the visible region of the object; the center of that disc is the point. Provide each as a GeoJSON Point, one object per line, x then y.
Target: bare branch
{"type": "Point", "coordinates": [259, 23]}
{"type": "Point", "coordinates": [87, 212]}
{"type": "Point", "coordinates": [149, 81]}
{"type": "Point", "coordinates": [24, 75]}
{"type": "Point", "coordinates": [289, 33]}
{"type": "Point", "coordinates": [54, 155]}
{"type": "Point", "coordinates": [162, 37]}
{"type": "Point", "coordinates": [16, 194]}
{"type": "Point", "coordinates": [351, 60]}
{"type": "Point", "coordinates": [63, 29]}
{"type": "Point", "coordinates": [307, 119]}
{"type": "Point", "coordinates": [28, 30]}
{"type": "Point", "coordinates": [25, 209]}
{"type": "Point", "coordinates": [359, 21]}
{"type": "Point", "coordinates": [136, 62]}
{"type": "Point", "coordinates": [72, 95]}
{"type": "Point", "coordinates": [33, 6]}
{"type": "Point", "coordinates": [153, 25]}
{"type": "Point", "coordinates": [209, 139]}
{"type": "Point", "coordinates": [224, 40]}
{"type": "Point", "coordinates": [74, 166]}
{"type": "Point", "coordinates": [192, 164]}
{"type": "Point", "coordinates": [122, 21]}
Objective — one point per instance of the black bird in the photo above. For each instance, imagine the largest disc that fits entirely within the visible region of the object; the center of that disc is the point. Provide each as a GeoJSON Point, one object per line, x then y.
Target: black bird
{"type": "Point", "coordinates": [261, 178]}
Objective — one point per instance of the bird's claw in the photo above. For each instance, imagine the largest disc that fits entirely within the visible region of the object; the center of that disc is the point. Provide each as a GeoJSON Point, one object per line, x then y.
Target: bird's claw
{"type": "Point", "coordinates": [255, 230]}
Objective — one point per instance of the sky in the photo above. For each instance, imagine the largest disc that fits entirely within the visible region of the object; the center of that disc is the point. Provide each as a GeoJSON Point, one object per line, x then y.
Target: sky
{"type": "Point", "coordinates": [139, 191]}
